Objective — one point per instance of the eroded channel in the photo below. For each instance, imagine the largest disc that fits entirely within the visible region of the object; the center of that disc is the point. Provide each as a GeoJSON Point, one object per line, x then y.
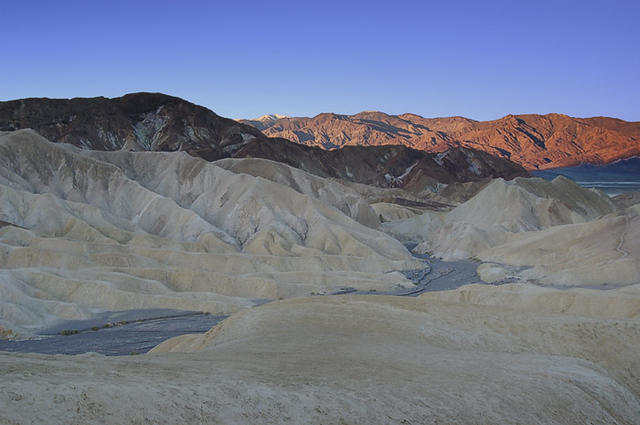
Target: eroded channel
{"type": "Point", "coordinates": [138, 331]}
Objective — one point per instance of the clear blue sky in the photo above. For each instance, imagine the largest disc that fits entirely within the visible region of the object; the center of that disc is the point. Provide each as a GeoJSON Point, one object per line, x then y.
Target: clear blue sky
{"type": "Point", "coordinates": [480, 59]}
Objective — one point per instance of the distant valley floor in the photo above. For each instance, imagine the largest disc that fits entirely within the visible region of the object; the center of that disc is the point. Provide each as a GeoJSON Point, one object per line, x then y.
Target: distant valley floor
{"type": "Point", "coordinates": [613, 179]}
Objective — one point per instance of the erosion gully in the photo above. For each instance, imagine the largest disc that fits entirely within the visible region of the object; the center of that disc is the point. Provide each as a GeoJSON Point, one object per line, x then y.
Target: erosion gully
{"type": "Point", "coordinates": [138, 331]}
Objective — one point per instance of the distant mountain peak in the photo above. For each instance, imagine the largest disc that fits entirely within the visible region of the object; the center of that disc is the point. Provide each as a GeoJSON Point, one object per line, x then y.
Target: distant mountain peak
{"type": "Point", "coordinates": [533, 141]}
{"type": "Point", "coordinates": [264, 121]}
{"type": "Point", "coordinates": [156, 122]}
{"type": "Point", "coordinates": [271, 117]}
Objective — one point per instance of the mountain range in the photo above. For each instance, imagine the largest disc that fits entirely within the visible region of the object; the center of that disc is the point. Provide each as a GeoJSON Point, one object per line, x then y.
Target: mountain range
{"type": "Point", "coordinates": [374, 148]}
{"type": "Point", "coordinates": [533, 141]}
{"type": "Point", "coordinates": [157, 122]}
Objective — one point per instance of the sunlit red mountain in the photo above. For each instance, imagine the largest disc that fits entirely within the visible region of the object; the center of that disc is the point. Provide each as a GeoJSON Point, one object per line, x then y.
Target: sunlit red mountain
{"type": "Point", "coordinates": [534, 141]}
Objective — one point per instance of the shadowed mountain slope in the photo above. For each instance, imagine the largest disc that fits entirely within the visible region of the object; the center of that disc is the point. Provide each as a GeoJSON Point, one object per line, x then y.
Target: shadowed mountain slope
{"type": "Point", "coordinates": [157, 122]}
{"type": "Point", "coordinates": [137, 122]}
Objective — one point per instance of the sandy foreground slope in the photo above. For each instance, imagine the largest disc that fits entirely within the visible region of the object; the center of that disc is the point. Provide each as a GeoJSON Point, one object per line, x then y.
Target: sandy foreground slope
{"type": "Point", "coordinates": [349, 359]}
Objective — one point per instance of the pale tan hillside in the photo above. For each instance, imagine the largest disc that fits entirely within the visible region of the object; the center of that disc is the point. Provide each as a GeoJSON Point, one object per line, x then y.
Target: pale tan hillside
{"type": "Point", "coordinates": [119, 230]}
{"type": "Point", "coordinates": [604, 251]}
{"type": "Point", "coordinates": [504, 208]}
{"type": "Point", "coordinates": [330, 192]}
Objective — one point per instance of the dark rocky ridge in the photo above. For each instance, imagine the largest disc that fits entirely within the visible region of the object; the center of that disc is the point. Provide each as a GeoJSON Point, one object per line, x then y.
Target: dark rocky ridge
{"type": "Point", "coordinates": [138, 121]}
{"type": "Point", "coordinates": [386, 166]}
{"type": "Point", "coordinates": [157, 122]}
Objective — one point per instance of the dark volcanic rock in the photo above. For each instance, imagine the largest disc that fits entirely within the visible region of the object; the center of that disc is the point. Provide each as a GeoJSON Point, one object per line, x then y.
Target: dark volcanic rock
{"type": "Point", "coordinates": [138, 121]}
{"type": "Point", "coordinates": [386, 166]}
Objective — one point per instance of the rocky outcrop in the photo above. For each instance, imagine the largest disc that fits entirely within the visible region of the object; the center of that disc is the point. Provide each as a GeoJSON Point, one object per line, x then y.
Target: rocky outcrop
{"type": "Point", "coordinates": [135, 122]}
{"type": "Point", "coordinates": [386, 166]}
{"type": "Point", "coordinates": [533, 141]}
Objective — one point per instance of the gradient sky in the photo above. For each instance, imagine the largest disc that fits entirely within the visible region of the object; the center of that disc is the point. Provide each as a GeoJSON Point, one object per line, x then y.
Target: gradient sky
{"type": "Point", "coordinates": [480, 59]}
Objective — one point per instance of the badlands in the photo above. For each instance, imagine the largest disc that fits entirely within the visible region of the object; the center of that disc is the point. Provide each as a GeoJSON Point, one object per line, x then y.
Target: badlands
{"type": "Point", "coordinates": [547, 332]}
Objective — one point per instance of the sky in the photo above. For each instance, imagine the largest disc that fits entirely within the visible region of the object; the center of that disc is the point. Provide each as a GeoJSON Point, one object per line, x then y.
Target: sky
{"type": "Point", "coordinates": [479, 59]}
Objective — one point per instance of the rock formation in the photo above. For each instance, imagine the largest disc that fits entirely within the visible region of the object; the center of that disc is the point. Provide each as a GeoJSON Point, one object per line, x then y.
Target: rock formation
{"type": "Point", "coordinates": [503, 208]}
{"type": "Point", "coordinates": [553, 233]}
{"type": "Point", "coordinates": [136, 122]}
{"type": "Point", "coordinates": [90, 230]}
